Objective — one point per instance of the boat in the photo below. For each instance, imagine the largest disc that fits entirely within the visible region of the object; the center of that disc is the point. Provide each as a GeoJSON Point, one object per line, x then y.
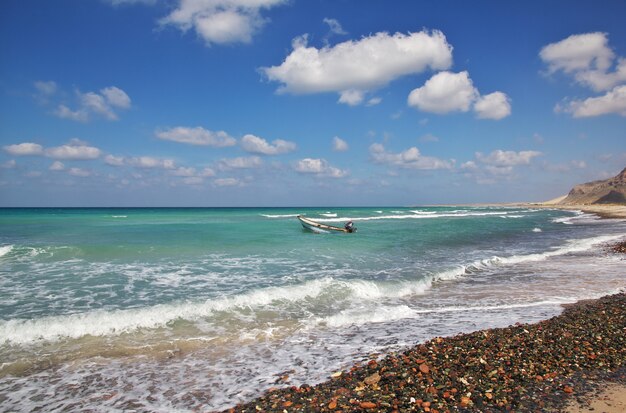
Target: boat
{"type": "Point", "coordinates": [319, 227]}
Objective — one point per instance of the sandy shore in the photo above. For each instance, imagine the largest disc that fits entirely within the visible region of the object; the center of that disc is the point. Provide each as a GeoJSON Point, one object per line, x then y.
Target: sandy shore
{"type": "Point", "coordinates": [611, 399]}
{"type": "Point", "coordinates": [561, 364]}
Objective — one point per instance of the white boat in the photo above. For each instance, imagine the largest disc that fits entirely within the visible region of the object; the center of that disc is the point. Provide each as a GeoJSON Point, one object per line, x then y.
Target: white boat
{"type": "Point", "coordinates": [319, 227]}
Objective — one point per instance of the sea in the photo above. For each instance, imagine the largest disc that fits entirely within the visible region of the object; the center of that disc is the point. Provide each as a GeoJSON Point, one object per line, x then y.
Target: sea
{"type": "Point", "coordinates": [197, 309]}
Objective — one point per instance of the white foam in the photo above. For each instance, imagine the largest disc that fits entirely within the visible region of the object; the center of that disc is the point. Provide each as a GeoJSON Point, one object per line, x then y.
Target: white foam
{"type": "Point", "coordinates": [571, 246]}
{"type": "Point", "coordinates": [363, 316]}
{"type": "Point", "coordinates": [114, 322]}
{"type": "Point", "coordinates": [280, 215]}
{"type": "Point", "coordinates": [5, 249]}
{"type": "Point", "coordinates": [537, 230]}
{"type": "Point", "coordinates": [329, 215]}
{"type": "Point", "coordinates": [119, 216]}
{"type": "Point", "coordinates": [413, 216]}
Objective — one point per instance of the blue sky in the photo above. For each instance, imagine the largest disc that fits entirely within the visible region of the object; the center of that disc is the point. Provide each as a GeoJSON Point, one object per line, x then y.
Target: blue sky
{"type": "Point", "coordinates": [296, 103]}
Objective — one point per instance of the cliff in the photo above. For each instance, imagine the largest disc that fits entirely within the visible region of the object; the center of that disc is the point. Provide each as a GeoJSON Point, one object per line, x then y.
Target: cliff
{"type": "Point", "coordinates": [608, 191]}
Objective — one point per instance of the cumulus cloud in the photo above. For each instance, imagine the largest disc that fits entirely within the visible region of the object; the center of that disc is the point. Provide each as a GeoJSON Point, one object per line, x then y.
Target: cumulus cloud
{"type": "Point", "coordinates": [24, 149]}
{"type": "Point", "coordinates": [444, 92]}
{"type": "Point", "coordinates": [592, 63]}
{"type": "Point", "coordinates": [82, 173]}
{"type": "Point", "coordinates": [221, 21]}
{"type": "Point", "coordinates": [73, 151]}
{"type": "Point", "coordinates": [227, 182]}
{"type": "Point", "coordinates": [240, 163]}
{"type": "Point", "coordinates": [334, 26]}
{"type": "Point", "coordinates": [318, 167]}
{"type": "Point", "coordinates": [588, 58]}
{"type": "Point", "coordinates": [148, 162]}
{"type": "Point", "coordinates": [448, 92]}
{"type": "Point", "coordinates": [339, 145]}
{"type": "Point", "coordinates": [197, 136]}
{"type": "Point", "coordinates": [114, 160]}
{"type": "Point", "coordinates": [613, 101]}
{"type": "Point", "coordinates": [353, 68]}
{"type": "Point", "coordinates": [410, 158]}
{"type": "Point", "coordinates": [254, 144]}
{"type": "Point", "coordinates": [495, 106]}
{"type": "Point", "coordinates": [500, 158]}
{"type": "Point", "coordinates": [57, 166]}
{"type": "Point", "coordinates": [104, 104]}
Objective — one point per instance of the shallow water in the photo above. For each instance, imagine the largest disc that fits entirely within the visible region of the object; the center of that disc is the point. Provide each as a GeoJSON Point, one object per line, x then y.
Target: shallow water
{"type": "Point", "coordinates": [174, 309]}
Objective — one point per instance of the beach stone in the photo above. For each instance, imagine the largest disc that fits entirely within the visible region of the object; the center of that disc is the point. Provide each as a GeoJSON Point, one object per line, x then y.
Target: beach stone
{"type": "Point", "coordinates": [373, 379]}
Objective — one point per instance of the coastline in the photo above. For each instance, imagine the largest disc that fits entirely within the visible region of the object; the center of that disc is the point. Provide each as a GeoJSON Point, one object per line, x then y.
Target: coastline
{"type": "Point", "coordinates": [613, 211]}
{"type": "Point", "coordinates": [558, 364]}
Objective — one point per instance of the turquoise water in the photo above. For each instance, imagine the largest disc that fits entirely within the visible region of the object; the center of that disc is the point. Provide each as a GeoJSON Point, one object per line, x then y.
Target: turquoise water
{"type": "Point", "coordinates": [175, 309]}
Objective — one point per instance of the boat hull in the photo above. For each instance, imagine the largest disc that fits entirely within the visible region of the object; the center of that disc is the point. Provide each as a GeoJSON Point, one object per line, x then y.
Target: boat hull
{"type": "Point", "coordinates": [319, 227]}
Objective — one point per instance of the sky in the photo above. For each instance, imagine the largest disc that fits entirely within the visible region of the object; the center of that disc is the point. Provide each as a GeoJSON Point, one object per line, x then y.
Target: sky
{"type": "Point", "coordinates": [307, 102]}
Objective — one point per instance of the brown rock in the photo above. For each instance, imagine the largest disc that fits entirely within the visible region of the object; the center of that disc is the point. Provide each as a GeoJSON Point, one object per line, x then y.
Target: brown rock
{"type": "Point", "coordinates": [372, 380]}
{"type": "Point", "coordinates": [367, 405]}
{"type": "Point", "coordinates": [424, 368]}
{"type": "Point", "coordinates": [332, 405]}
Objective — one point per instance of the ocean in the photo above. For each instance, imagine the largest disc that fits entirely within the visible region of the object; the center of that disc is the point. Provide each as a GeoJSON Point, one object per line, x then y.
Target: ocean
{"type": "Point", "coordinates": [174, 310]}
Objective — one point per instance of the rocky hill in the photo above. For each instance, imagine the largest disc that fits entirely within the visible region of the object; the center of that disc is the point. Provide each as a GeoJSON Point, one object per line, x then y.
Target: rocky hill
{"type": "Point", "coordinates": [608, 191]}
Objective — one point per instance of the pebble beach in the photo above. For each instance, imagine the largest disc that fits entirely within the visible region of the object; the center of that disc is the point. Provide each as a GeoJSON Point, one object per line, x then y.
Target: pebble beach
{"type": "Point", "coordinates": [565, 363]}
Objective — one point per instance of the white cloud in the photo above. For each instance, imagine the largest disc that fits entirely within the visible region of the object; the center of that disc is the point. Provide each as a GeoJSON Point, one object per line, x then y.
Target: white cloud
{"type": "Point", "coordinates": [444, 92]}
{"type": "Point", "coordinates": [73, 151]}
{"type": "Point", "coordinates": [148, 162]}
{"type": "Point", "coordinates": [578, 52]}
{"type": "Point", "coordinates": [57, 166]}
{"type": "Point", "coordinates": [79, 172]}
{"type": "Point", "coordinates": [64, 112]}
{"type": "Point", "coordinates": [410, 158]}
{"type": "Point", "coordinates": [588, 58]}
{"type": "Point", "coordinates": [354, 67]}
{"type": "Point", "coordinates": [10, 164]}
{"type": "Point", "coordinates": [103, 104]}
{"type": "Point", "coordinates": [182, 171]}
{"type": "Point", "coordinates": [613, 101]}
{"type": "Point", "coordinates": [24, 149]}
{"type": "Point", "coordinates": [116, 97]}
{"type": "Point", "coordinates": [227, 182]}
{"type": "Point", "coordinates": [240, 163]}
{"type": "Point", "coordinates": [319, 167]}
{"type": "Point", "coordinates": [339, 145]}
{"type": "Point", "coordinates": [495, 105]}
{"type": "Point", "coordinates": [448, 92]}
{"type": "Point", "coordinates": [334, 26]}
{"type": "Point", "coordinates": [114, 160]}
{"type": "Point", "coordinates": [351, 97]}
{"type": "Point", "coordinates": [221, 21]}
{"type": "Point", "coordinates": [48, 88]}
{"type": "Point", "coordinates": [197, 136]}
{"type": "Point", "coordinates": [500, 158]}
{"type": "Point", "coordinates": [374, 101]}
{"type": "Point", "coordinates": [193, 180]}
{"type": "Point", "coordinates": [254, 144]}
{"type": "Point", "coordinates": [207, 172]}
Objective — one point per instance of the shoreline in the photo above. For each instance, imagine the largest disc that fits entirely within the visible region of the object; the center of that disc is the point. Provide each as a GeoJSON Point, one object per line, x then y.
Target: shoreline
{"type": "Point", "coordinates": [558, 364]}
{"type": "Point", "coordinates": [610, 211]}
{"type": "Point", "coordinates": [573, 362]}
